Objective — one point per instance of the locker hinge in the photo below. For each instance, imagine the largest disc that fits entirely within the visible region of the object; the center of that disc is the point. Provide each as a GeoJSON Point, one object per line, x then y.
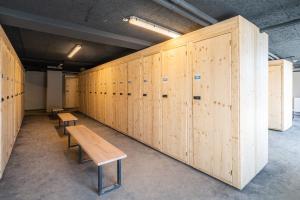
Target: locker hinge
{"type": "Point", "coordinates": [230, 42]}
{"type": "Point", "coordinates": [231, 172]}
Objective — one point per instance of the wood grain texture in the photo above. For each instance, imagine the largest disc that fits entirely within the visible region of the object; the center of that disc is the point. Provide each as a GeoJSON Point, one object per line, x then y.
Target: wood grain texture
{"type": "Point", "coordinates": [280, 94]}
{"type": "Point", "coordinates": [98, 149]}
{"type": "Point", "coordinates": [66, 117]}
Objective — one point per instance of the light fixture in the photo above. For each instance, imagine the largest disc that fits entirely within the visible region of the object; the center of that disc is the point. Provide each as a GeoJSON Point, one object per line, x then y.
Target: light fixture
{"type": "Point", "coordinates": [74, 50]}
{"type": "Point", "coordinates": [153, 27]}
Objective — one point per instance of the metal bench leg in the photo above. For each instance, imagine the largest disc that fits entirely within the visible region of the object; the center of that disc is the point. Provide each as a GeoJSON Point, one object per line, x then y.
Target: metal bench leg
{"type": "Point", "coordinates": [74, 123]}
{"type": "Point", "coordinates": [79, 154]}
{"type": "Point", "coordinates": [64, 128]}
{"type": "Point", "coordinates": [69, 142]}
{"type": "Point", "coordinates": [119, 172]}
{"type": "Point", "coordinates": [100, 180]}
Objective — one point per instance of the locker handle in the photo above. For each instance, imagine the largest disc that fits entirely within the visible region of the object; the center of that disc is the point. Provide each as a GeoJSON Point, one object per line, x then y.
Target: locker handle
{"type": "Point", "coordinates": [129, 94]}
{"type": "Point", "coordinates": [2, 99]}
{"type": "Point", "coordinates": [165, 96]}
{"type": "Point", "coordinates": [104, 92]}
{"type": "Point", "coordinates": [100, 92]}
{"type": "Point", "coordinates": [197, 97]}
{"type": "Point", "coordinates": [114, 93]}
{"type": "Point", "coordinates": [90, 92]}
{"type": "Point", "coordinates": [7, 97]}
{"type": "Point", "coordinates": [121, 93]}
{"type": "Point", "coordinates": [12, 96]}
{"type": "Point", "coordinates": [95, 92]}
{"type": "Point", "coordinates": [144, 95]}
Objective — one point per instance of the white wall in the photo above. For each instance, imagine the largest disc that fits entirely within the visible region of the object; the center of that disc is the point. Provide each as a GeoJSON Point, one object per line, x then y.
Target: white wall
{"type": "Point", "coordinates": [35, 87]}
{"type": "Point", "coordinates": [296, 84]}
{"type": "Point", "coordinates": [54, 90]}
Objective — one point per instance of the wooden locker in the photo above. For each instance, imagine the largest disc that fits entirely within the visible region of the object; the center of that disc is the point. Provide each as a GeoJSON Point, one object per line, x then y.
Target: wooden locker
{"type": "Point", "coordinates": [280, 95]}
{"type": "Point", "coordinates": [102, 96]}
{"type": "Point", "coordinates": [71, 92]}
{"type": "Point", "coordinates": [135, 99]}
{"type": "Point", "coordinates": [152, 113]}
{"type": "Point", "coordinates": [175, 111]}
{"type": "Point", "coordinates": [212, 106]}
{"type": "Point", "coordinates": [108, 97]}
{"type": "Point", "coordinates": [121, 100]}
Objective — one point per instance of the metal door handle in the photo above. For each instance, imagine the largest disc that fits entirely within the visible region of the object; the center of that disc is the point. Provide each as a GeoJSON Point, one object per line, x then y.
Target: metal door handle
{"type": "Point", "coordinates": [144, 95]}
{"type": "Point", "coordinates": [114, 93]}
{"type": "Point", "coordinates": [129, 94]}
{"type": "Point", "coordinates": [121, 93]}
{"type": "Point", "coordinates": [197, 97]}
{"type": "Point", "coordinates": [165, 96]}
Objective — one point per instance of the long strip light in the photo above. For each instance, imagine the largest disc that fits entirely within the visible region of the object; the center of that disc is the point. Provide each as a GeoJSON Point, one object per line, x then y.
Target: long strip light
{"type": "Point", "coordinates": [74, 50]}
{"type": "Point", "coordinates": [153, 27]}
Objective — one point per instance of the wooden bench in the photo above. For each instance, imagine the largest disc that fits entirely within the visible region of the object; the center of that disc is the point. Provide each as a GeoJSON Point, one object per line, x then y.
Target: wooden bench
{"type": "Point", "coordinates": [99, 150]}
{"type": "Point", "coordinates": [66, 118]}
{"type": "Point", "coordinates": [55, 111]}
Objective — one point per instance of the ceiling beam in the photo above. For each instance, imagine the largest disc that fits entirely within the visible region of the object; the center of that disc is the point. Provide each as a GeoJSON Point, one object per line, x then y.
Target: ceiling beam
{"type": "Point", "coordinates": [284, 24]}
{"type": "Point", "coordinates": [57, 27]}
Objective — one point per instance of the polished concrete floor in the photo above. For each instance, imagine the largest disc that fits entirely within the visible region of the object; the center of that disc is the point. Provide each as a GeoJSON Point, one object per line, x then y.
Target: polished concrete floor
{"type": "Point", "coordinates": [41, 167]}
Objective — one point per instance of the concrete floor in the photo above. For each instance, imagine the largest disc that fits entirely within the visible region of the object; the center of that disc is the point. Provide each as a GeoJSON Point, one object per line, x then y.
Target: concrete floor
{"type": "Point", "coordinates": [40, 167]}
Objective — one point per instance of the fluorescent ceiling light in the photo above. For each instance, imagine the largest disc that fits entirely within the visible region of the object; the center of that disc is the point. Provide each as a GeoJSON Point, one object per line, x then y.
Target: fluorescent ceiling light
{"type": "Point", "coordinates": [153, 27]}
{"type": "Point", "coordinates": [74, 50]}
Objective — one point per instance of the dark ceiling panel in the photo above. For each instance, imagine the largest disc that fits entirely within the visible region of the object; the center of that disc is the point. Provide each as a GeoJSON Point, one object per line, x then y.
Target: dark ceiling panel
{"type": "Point", "coordinates": [107, 16]}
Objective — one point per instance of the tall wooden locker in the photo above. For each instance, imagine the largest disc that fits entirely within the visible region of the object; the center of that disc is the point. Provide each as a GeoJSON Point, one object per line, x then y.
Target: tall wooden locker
{"type": "Point", "coordinates": [135, 99]}
{"type": "Point", "coordinates": [71, 92]}
{"type": "Point", "coordinates": [212, 106]}
{"type": "Point", "coordinates": [152, 113]}
{"type": "Point", "coordinates": [175, 102]}
{"type": "Point", "coordinates": [280, 94]}
{"type": "Point", "coordinates": [121, 98]}
{"type": "Point", "coordinates": [109, 96]}
{"type": "Point", "coordinates": [101, 106]}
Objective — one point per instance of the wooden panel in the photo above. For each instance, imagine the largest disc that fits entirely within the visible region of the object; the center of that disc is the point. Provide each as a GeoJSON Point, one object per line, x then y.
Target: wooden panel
{"type": "Point", "coordinates": [212, 151]}
{"type": "Point", "coordinates": [175, 105]}
{"type": "Point", "coordinates": [275, 97]}
{"type": "Point", "coordinates": [287, 118]}
{"type": "Point", "coordinates": [121, 100]}
{"type": "Point", "coordinates": [108, 97]}
{"type": "Point", "coordinates": [134, 99]}
{"type": "Point", "coordinates": [152, 112]}
{"type": "Point", "coordinates": [71, 92]}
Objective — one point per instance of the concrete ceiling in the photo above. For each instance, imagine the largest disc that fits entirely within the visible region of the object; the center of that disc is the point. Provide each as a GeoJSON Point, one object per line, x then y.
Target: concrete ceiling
{"type": "Point", "coordinates": [92, 21]}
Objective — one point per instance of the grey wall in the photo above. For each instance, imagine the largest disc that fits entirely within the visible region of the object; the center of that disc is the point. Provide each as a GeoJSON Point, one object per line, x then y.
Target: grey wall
{"type": "Point", "coordinates": [296, 84]}
{"type": "Point", "coordinates": [35, 87]}
{"type": "Point", "coordinates": [54, 90]}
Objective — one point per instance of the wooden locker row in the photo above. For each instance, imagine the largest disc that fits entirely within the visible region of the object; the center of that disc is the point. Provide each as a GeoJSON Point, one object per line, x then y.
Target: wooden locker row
{"type": "Point", "coordinates": [12, 98]}
{"type": "Point", "coordinates": [280, 95]}
{"type": "Point", "coordinates": [193, 98]}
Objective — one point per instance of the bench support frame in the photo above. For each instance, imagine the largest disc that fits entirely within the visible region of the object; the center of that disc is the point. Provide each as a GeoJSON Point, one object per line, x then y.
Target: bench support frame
{"type": "Point", "coordinates": [103, 190]}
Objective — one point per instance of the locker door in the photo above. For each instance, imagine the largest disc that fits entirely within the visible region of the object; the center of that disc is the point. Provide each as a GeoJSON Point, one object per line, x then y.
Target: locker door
{"type": "Point", "coordinates": [71, 92]}
{"type": "Point", "coordinates": [98, 97]}
{"type": "Point", "coordinates": [134, 99]}
{"type": "Point", "coordinates": [275, 97]}
{"type": "Point", "coordinates": [108, 97]}
{"type": "Point", "coordinates": [175, 102]}
{"type": "Point", "coordinates": [152, 100]}
{"type": "Point", "coordinates": [102, 97]}
{"type": "Point", "coordinates": [93, 95]}
{"type": "Point", "coordinates": [114, 76]}
{"type": "Point", "coordinates": [212, 147]}
{"type": "Point", "coordinates": [121, 103]}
